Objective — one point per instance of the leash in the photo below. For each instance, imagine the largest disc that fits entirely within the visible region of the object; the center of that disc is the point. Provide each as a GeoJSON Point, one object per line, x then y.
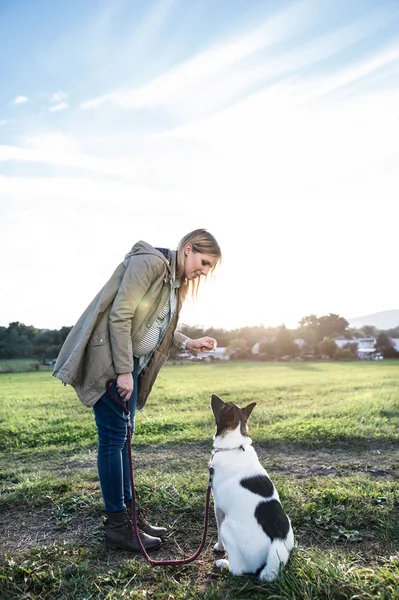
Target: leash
{"type": "Point", "coordinates": [164, 563]}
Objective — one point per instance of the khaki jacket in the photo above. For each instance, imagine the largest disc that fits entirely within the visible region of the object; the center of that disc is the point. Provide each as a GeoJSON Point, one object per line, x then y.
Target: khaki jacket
{"type": "Point", "coordinates": [101, 344]}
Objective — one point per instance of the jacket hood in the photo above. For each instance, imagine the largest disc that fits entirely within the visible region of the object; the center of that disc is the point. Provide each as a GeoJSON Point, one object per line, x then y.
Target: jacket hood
{"type": "Point", "coordinates": [143, 248]}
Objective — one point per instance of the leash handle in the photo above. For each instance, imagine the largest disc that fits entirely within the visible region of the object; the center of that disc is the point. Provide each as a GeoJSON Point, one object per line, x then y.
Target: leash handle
{"type": "Point", "coordinates": [163, 563]}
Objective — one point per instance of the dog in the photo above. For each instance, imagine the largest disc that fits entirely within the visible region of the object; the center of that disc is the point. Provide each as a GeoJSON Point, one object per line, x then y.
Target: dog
{"type": "Point", "coordinates": [252, 525]}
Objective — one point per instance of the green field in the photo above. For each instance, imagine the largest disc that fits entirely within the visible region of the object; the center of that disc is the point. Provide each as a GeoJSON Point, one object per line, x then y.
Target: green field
{"type": "Point", "coordinates": [326, 432]}
{"type": "Point", "coordinates": [19, 365]}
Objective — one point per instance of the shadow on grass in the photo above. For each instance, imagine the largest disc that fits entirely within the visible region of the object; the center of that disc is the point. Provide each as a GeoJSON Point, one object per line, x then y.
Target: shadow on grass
{"type": "Point", "coordinates": [348, 444]}
{"type": "Point", "coordinates": [390, 414]}
{"type": "Point", "coordinates": [302, 366]}
{"type": "Point", "coordinates": [86, 457]}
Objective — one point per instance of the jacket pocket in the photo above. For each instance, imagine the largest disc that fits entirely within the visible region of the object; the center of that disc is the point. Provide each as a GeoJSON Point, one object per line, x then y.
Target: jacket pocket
{"type": "Point", "coordinates": [100, 338]}
{"type": "Point", "coordinates": [98, 358]}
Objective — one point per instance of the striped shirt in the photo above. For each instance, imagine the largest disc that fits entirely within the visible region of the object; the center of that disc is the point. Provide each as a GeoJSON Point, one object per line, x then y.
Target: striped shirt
{"type": "Point", "coordinates": [153, 336]}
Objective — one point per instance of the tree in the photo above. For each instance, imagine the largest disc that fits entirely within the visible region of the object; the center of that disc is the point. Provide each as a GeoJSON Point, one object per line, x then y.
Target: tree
{"type": "Point", "coordinates": [309, 331]}
{"type": "Point", "coordinates": [309, 322]}
{"type": "Point", "coordinates": [252, 335]}
{"type": "Point", "coordinates": [328, 347]}
{"type": "Point", "coordinates": [25, 341]}
{"type": "Point", "coordinates": [385, 347]}
{"type": "Point", "coordinates": [16, 340]}
{"type": "Point", "coordinates": [267, 350]}
{"type": "Point", "coordinates": [314, 329]}
{"type": "Point", "coordinates": [352, 346]}
{"type": "Point", "coordinates": [393, 333]}
{"type": "Point", "coordinates": [284, 343]}
{"type": "Point", "coordinates": [46, 344]}
{"type": "Point", "coordinates": [3, 342]}
{"type": "Point", "coordinates": [344, 354]}
{"type": "Point", "coordinates": [239, 349]}
{"type": "Point", "coordinates": [369, 330]}
{"type": "Point", "coordinates": [192, 332]}
{"type": "Point", "coordinates": [332, 325]}
{"type": "Point", "coordinates": [221, 336]}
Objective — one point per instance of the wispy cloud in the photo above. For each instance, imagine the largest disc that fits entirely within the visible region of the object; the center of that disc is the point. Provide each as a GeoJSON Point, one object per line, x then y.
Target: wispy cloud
{"type": "Point", "coordinates": [192, 76]}
{"type": "Point", "coordinates": [20, 100]}
{"type": "Point", "coordinates": [58, 101]}
{"type": "Point", "coordinates": [225, 73]}
{"type": "Point", "coordinates": [59, 96]}
{"type": "Point", "coordinates": [62, 150]}
{"type": "Point", "coordinates": [58, 107]}
{"type": "Point", "coordinates": [365, 69]}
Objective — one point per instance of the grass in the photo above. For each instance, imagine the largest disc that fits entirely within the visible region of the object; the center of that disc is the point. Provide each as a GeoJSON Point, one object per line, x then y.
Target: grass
{"type": "Point", "coordinates": [19, 365]}
{"type": "Point", "coordinates": [327, 433]}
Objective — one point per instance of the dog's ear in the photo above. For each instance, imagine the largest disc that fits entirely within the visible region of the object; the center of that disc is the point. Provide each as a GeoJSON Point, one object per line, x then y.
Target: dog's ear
{"type": "Point", "coordinates": [248, 409]}
{"type": "Point", "coordinates": [216, 404]}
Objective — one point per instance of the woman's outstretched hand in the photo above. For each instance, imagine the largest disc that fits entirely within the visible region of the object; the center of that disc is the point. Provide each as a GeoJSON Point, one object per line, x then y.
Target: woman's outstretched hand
{"type": "Point", "coordinates": [124, 386]}
{"type": "Point", "coordinates": [203, 344]}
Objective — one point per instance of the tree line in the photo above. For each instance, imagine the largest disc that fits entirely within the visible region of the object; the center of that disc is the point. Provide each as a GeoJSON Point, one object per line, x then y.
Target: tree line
{"type": "Point", "coordinates": [313, 336]}
{"type": "Point", "coordinates": [25, 341]}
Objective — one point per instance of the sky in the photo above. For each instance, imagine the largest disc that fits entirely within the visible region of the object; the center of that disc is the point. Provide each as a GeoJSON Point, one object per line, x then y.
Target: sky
{"type": "Point", "coordinates": [274, 124]}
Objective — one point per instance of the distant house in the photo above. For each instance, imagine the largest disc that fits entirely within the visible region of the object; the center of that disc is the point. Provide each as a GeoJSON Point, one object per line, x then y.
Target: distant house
{"type": "Point", "coordinates": [255, 350]}
{"type": "Point", "coordinates": [395, 343]}
{"type": "Point", "coordinates": [365, 346]}
{"type": "Point", "coordinates": [300, 343]}
{"type": "Point", "coordinates": [343, 343]}
{"type": "Point", "coordinates": [217, 354]}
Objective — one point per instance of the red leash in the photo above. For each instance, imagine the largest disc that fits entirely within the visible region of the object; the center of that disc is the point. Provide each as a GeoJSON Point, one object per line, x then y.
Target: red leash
{"type": "Point", "coordinates": [164, 563]}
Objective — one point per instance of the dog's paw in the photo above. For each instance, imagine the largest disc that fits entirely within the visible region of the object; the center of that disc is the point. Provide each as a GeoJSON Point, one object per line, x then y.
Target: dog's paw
{"type": "Point", "coordinates": [218, 547]}
{"type": "Point", "coordinates": [222, 564]}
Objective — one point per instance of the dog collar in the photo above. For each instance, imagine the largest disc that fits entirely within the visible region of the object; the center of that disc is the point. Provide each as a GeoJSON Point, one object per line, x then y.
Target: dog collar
{"type": "Point", "coordinates": [228, 449]}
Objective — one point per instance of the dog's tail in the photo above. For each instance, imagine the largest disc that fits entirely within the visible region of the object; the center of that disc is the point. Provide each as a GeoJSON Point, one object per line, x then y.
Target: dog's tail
{"type": "Point", "coordinates": [279, 553]}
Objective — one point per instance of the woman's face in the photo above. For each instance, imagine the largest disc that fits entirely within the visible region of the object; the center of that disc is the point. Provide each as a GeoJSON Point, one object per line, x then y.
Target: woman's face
{"type": "Point", "coordinates": [197, 264]}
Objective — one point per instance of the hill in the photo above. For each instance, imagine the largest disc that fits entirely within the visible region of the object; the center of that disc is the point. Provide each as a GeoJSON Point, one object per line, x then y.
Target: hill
{"type": "Point", "coordinates": [386, 319]}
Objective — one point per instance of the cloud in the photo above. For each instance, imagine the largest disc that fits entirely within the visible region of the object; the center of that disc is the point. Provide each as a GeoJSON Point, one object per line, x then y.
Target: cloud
{"type": "Point", "coordinates": [59, 96]}
{"type": "Point", "coordinates": [239, 66]}
{"type": "Point", "coordinates": [20, 100]}
{"type": "Point", "coordinates": [365, 70]}
{"type": "Point", "coordinates": [59, 149]}
{"type": "Point", "coordinates": [3, 123]}
{"type": "Point", "coordinates": [197, 74]}
{"type": "Point", "coordinates": [58, 107]}
{"type": "Point", "coordinates": [58, 101]}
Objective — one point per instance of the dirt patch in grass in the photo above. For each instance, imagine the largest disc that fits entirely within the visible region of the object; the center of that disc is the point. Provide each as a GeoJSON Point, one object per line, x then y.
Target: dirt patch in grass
{"type": "Point", "coordinates": [382, 463]}
{"type": "Point", "coordinates": [24, 528]}
{"type": "Point", "coordinates": [21, 529]}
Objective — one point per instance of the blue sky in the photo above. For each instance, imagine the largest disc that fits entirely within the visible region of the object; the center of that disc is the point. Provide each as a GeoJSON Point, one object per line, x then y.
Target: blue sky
{"type": "Point", "coordinates": [274, 124]}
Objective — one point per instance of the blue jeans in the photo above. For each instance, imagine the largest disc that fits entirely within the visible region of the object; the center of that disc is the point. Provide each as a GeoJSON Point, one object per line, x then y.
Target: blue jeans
{"type": "Point", "coordinates": [112, 457]}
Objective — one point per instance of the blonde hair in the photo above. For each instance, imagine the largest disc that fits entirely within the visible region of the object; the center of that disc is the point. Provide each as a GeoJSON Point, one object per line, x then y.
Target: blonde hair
{"type": "Point", "coordinates": [203, 242]}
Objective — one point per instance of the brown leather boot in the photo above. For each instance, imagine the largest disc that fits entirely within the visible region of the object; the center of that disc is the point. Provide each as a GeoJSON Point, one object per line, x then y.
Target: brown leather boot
{"type": "Point", "coordinates": [142, 522]}
{"type": "Point", "coordinates": [119, 534]}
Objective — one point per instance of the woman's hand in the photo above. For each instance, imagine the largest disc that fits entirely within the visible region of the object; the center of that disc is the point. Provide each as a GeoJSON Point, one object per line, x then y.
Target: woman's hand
{"type": "Point", "coordinates": [124, 385]}
{"type": "Point", "coordinates": [204, 344]}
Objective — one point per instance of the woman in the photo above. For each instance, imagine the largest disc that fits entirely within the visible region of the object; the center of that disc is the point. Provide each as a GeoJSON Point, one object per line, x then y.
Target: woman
{"type": "Point", "coordinates": [126, 334]}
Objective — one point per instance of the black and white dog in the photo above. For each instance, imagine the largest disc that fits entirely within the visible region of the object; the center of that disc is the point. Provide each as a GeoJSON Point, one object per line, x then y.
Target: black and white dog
{"type": "Point", "coordinates": [252, 526]}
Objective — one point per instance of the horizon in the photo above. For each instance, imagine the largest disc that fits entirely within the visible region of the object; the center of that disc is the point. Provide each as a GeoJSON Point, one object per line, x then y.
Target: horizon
{"type": "Point", "coordinates": [260, 325]}
{"type": "Point", "coordinates": [272, 124]}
